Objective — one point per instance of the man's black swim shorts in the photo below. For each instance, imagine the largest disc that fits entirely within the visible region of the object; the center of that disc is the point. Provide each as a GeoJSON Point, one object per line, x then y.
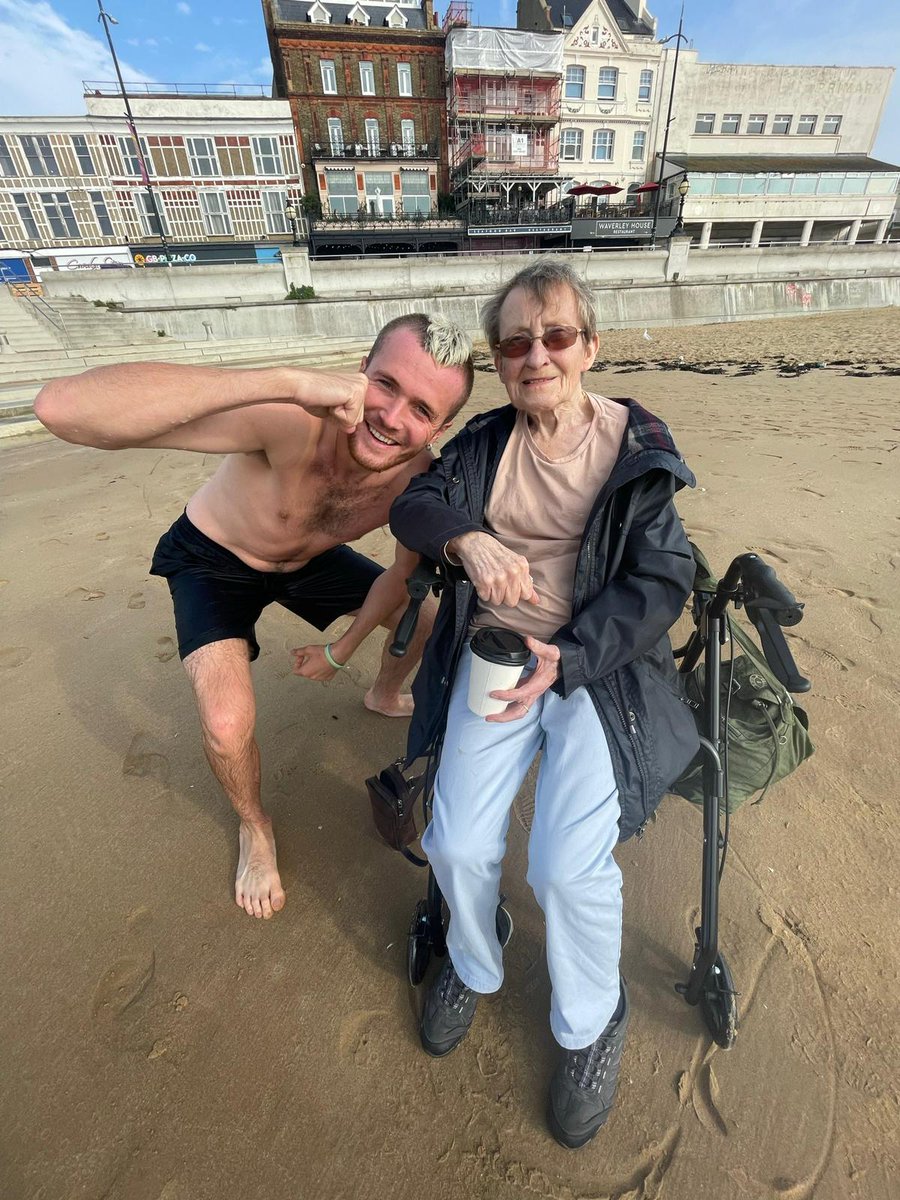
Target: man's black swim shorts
{"type": "Point", "coordinates": [217, 596]}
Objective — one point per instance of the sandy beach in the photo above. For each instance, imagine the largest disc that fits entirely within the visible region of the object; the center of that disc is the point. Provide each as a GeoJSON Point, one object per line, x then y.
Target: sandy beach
{"type": "Point", "coordinates": [157, 1044]}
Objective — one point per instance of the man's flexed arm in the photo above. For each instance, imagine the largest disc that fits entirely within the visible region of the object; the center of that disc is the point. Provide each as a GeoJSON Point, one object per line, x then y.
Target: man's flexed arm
{"type": "Point", "coordinates": [210, 409]}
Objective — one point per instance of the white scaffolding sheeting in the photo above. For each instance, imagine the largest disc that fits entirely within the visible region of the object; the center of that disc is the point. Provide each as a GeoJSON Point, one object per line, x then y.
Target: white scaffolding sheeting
{"type": "Point", "coordinates": [503, 51]}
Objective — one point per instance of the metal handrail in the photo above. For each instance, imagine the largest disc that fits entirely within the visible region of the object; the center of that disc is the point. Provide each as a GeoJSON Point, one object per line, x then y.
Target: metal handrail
{"type": "Point", "coordinates": [103, 87]}
{"type": "Point", "coordinates": [21, 290]}
{"type": "Point", "coordinates": [322, 151]}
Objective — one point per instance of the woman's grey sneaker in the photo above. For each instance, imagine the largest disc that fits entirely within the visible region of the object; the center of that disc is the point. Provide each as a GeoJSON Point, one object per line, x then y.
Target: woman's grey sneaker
{"type": "Point", "coordinates": [448, 1012]}
{"type": "Point", "coordinates": [584, 1086]}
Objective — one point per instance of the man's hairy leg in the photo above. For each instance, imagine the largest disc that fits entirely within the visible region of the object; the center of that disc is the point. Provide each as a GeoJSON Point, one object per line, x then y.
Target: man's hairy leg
{"type": "Point", "coordinates": [384, 696]}
{"type": "Point", "coordinates": [220, 676]}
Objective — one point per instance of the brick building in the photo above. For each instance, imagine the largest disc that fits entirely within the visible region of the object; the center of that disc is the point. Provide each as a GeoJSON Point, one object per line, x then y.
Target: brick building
{"type": "Point", "coordinates": [366, 87]}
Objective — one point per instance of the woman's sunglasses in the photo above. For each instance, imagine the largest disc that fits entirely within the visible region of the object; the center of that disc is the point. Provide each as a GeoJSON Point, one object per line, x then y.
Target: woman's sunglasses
{"type": "Point", "coordinates": [561, 337]}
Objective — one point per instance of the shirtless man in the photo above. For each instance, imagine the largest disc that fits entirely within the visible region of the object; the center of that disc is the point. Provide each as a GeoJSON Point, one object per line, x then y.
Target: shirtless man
{"type": "Point", "coordinates": [313, 460]}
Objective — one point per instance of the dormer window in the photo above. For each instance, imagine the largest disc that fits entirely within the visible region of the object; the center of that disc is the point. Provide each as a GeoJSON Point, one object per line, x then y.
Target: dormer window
{"type": "Point", "coordinates": [318, 15]}
{"type": "Point", "coordinates": [357, 15]}
{"type": "Point", "coordinates": [396, 19]}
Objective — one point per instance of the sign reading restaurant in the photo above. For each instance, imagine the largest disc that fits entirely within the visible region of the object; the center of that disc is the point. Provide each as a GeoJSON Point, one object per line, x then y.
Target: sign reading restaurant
{"type": "Point", "coordinates": [499, 230]}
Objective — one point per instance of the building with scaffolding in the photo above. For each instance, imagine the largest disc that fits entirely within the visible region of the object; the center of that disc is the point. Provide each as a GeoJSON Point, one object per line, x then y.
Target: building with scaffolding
{"type": "Point", "coordinates": [503, 102]}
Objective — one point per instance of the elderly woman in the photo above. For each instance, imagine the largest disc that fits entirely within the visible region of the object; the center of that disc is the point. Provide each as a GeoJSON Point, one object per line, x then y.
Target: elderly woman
{"type": "Point", "coordinates": [559, 508]}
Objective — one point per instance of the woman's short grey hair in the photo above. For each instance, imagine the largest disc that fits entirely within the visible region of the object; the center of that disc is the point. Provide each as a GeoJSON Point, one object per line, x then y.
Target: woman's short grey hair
{"type": "Point", "coordinates": [541, 280]}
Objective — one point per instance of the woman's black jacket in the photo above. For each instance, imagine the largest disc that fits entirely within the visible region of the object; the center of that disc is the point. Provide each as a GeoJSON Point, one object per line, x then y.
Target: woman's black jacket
{"type": "Point", "coordinates": [634, 572]}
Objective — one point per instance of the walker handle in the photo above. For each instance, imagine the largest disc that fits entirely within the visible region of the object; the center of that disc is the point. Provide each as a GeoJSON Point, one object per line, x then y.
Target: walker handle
{"type": "Point", "coordinates": [425, 577]}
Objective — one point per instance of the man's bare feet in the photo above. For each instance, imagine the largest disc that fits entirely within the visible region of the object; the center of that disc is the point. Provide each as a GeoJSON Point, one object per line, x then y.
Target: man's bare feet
{"type": "Point", "coordinates": [396, 705]}
{"type": "Point", "coordinates": [257, 888]}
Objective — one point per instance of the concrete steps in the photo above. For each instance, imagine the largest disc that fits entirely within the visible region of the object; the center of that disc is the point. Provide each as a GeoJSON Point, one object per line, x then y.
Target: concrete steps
{"type": "Point", "coordinates": [22, 331]}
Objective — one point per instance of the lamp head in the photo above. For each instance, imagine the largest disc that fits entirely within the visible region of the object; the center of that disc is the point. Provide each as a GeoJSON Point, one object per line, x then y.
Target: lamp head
{"type": "Point", "coordinates": [684, 187]}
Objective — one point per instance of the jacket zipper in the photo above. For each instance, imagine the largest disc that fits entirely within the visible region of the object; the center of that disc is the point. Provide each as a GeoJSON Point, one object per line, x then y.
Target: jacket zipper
{"type": "Point", "coordinates": [629, 726]}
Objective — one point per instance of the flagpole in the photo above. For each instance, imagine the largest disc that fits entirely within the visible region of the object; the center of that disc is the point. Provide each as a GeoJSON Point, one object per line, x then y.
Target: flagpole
{"type": "Point", "coordinates": [129, 121]}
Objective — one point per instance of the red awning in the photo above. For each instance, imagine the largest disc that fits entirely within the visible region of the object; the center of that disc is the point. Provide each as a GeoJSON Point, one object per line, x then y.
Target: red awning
{"type": "Point", "coordinates": [646, 187]}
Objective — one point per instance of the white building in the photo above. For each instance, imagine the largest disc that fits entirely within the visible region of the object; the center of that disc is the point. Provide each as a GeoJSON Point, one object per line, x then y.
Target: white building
{"type": "Point", "coordinates": [778, 152]}
{"type": "Point", "coordinates": [222, 168]}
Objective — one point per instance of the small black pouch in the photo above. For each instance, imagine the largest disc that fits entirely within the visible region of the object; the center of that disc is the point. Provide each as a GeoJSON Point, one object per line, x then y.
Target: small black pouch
{"type": "Point", "coordinates": [393, 797]}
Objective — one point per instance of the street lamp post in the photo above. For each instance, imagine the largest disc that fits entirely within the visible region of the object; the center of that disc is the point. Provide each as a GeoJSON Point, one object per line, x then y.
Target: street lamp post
{"type": "Point", "coordinates": [290, 212]}
{"type": "Point", "coordinates": [683, 188]}
{"type": "Point", "coordinates": [107, 20]}
{"type": "Point", "coordinates": [678, 38]}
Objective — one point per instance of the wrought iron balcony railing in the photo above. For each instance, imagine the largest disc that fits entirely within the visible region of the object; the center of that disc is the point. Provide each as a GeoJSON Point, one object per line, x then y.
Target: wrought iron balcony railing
{"type": "Point", "coordinates": [362, 219]}
{"type": "Point", "coordinates": [324, 151]}
{"type": "Point", "coordinates": [501, 214]}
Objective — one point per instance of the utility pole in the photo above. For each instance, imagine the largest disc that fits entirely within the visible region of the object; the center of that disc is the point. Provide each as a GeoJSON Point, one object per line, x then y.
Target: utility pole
{"type": "Point", "coordinates": [129, 120]}
{"type": "Point", "coordinates": [679, 37]}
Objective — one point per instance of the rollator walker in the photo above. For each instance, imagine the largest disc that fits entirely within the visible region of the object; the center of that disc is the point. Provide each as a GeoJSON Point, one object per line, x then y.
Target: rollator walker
{"type": "Point", "coordinates": [749, 582]}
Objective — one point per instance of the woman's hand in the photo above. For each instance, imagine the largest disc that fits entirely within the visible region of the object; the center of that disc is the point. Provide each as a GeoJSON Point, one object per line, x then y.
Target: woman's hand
{"type": "Point", "coordinates": [500, 576]}
{"type": "Point", "coordinates": [311, 663]}
{"type": "Point", "coordinates": [544, 675]}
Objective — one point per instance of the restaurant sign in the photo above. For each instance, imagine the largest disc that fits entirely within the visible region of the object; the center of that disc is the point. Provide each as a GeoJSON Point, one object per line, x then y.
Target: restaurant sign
{"type": "Point", "coordinates": [628, 227]}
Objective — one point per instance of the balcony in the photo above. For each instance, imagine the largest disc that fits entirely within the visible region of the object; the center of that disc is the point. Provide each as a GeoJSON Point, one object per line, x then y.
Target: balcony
{"type": "Point", "coordinates": [552, 216]}
{"type": "Point", "coordinates": [362, 219]}
{"type": "Point", "coordinates": [392, 151]}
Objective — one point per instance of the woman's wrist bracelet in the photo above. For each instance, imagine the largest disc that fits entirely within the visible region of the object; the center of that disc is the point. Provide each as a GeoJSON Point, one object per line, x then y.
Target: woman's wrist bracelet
{"type": "Point", "coordinates": [331, 659]}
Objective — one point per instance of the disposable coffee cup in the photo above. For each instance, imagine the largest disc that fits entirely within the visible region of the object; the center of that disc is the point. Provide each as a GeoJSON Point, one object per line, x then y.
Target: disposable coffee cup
{"type": "Point", "coordinates": [498, 656]}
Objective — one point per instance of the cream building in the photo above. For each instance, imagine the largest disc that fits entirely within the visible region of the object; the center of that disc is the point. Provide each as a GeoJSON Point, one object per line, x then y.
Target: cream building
{"type": "Point", "coordinates": [222, 167]}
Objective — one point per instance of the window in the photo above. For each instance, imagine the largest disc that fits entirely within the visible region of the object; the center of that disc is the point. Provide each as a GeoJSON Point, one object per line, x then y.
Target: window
{"type": "Point", "coordinates": [7, 166]}
{"type": "Point", "coordinates": [373, 138]}
{"type": "Point", "coordinates": [807, 123]}
{"type": "Point", "coordinates": [202, 155]}
{"type": "Point", "coordinates": [101, 212]}
{"type": "Point", "coordinates": [319, 15]}
{"type": "Point", "coordinates": [83, 154]}
{"type": "Point", "coordinates": [396, 19]}
{"type": "Point", "coordinates": [756, 123]}
{"type": "Point", "coordinates": [149, 223]}
{"type": "Point", "coordinates": [132, 164]}
{"type": "Point", "coordinates": [607, 83]}
{"type": "Point", "coordinates": [645, 87]}
{"type": "Point", "coordinates": [602, 146]}
{"type": "Point", "coordinates": [414, 188]}
{"type": "Point", "coordinates": [570, 145]}
{"type": "Point", "coordinates": [731, 123]}
{"type": "Point", "coordinates": [574, 83]}
{"type": "Point", "coordinates": [25, 215]}
{"type": "Point", "coordinates": [335, 135]}
{"type": "Point", "coordinates": [329, 78]}
{"type": "Point", "coordinates": [704, 122]}
{"type": "Point", "coordinates": [273, 207]}
{"type": "Point", "coordinates": [404, 79]}
{"type": "Point", "coordinates": [367, 78]}
{"type": "Point", "coordinates": [408, 136]}
{"type": "Point", "coordinates": [40, 156]}
{"type": "Point", "coordinates": [59, 213]}
{"type": "Point", "coordinates": [782, 123]}
{"type": "Point", "coordinates": [638, 145]}
{"type": "Point", "coordinates": [214, 207]}
{"type": "Point", "coordinates": [380, 193]}
{"type": "Point", "coordinates": [267, 156]}
{"type": "Point", "coordinates": [357, 15]}
{"type": "Point", "coordinates": [831, 124]}
{"type": "Point", "coordinates": [342, 195]}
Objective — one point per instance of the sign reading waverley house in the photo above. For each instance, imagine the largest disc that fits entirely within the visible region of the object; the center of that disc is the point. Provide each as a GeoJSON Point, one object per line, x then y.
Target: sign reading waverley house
{"type": "Point", "coordinates": [366, 87]}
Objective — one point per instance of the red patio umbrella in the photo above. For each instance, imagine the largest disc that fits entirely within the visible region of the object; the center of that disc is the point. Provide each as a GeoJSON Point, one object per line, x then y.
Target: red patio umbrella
{"type": "Point", "coordinates": [587, 189]}
{"type": "Point", "coordinates": [646, 187]}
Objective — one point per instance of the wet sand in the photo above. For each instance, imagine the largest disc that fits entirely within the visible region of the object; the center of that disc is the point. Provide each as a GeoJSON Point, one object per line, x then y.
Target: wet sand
{"type": "Point", "coordinates": [157, 1044]}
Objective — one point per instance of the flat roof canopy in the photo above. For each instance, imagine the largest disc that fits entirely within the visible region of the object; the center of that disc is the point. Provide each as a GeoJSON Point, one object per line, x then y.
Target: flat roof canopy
{"type": "Point", "coordinates": [785, 164]}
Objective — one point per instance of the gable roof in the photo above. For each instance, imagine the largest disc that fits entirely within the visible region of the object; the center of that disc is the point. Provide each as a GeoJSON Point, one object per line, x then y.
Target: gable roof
{"type": "Point", "coordinates": [566, 14]}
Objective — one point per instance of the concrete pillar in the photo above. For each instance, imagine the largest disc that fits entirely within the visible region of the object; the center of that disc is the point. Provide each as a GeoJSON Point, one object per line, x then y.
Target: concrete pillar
{"type": "Point", "coordinates": [757, 233]}
{"type": "Point", "coordinates": [297, 272]}
{"type": "Point", "coordinates": [677, 258]}
{"type": "Point", "coordinates": [881, 231]}
{"type": "Point", "coordinates": [705, 234]}
{"type": "Point", "coordinates": [854, 232]}
{"type": "Point", "coordinates": [807, 232]}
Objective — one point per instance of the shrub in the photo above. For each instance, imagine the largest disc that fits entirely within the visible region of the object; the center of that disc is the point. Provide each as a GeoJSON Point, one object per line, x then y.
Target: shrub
{"type": "Point", "coordinates": [305, 292]}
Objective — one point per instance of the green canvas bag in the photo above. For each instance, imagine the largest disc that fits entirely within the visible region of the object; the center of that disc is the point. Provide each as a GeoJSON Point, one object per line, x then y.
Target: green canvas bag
{"type": "Point", "coordinates": [768, 733]}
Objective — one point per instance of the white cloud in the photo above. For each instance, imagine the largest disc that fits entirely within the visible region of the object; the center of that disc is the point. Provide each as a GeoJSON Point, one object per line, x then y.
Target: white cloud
{"type": "Point", "coordinates": [203, 48]}
{"type": "Point", "coordinates": [184, 9]}
{"type": "Point", "coordinates": [43, 60]}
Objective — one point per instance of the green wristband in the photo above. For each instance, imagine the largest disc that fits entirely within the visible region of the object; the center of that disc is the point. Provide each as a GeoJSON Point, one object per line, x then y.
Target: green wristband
{"type": "Point", "coordinates": [331, 659]}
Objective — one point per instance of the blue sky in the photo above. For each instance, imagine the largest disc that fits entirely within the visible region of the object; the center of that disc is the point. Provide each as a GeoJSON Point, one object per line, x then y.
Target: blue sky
{"type": "Point", "coordinates": [48, 46]}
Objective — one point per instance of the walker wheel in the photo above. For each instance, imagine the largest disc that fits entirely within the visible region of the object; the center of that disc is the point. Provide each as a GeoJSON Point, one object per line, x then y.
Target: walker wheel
{"type": "Point", "coordinates": [718, 1003]}
{"type": "Point", "coordinates": [418, 945]}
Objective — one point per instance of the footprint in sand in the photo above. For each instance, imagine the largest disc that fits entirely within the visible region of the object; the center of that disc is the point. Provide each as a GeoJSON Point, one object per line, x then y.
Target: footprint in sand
{"type": "Point", "coordinates": [137, 600]}
{"type": "Point", "coordinates": [101, 537]}
{"type": "Point", "coordinates": [13, 656]}
{"type": "Point", "coordinates": [84, 593]}
{"type": "Point", "coordinates": [143, 761]}
{"type": "Point", "coordinates": [166, 647]}
{"type": "Point", "coordinates": [121, 985]}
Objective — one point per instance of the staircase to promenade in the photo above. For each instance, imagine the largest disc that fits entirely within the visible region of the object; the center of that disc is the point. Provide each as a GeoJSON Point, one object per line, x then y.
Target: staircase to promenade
{"type": "Point", "coordinates": [33, 350]}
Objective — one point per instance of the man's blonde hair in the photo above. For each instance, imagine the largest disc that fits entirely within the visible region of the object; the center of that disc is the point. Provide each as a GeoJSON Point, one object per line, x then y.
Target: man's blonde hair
{"type": "Point", "coordinates": [444, 340]}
